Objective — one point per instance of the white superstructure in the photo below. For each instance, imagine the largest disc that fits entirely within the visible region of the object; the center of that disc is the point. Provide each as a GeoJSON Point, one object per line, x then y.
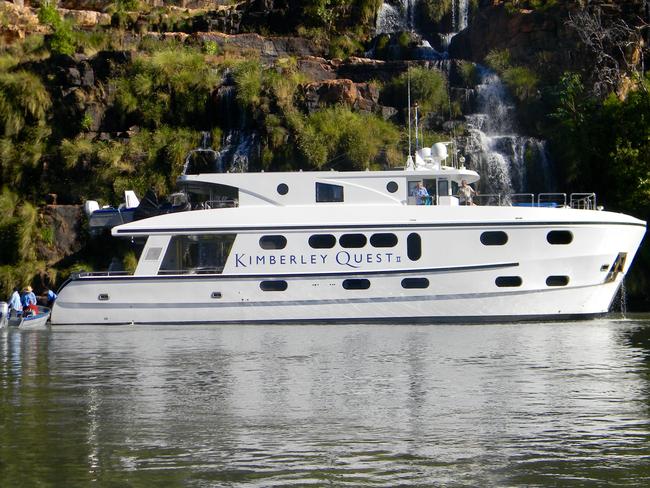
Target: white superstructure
{"type": "Point", "coordinates": [355, 246]}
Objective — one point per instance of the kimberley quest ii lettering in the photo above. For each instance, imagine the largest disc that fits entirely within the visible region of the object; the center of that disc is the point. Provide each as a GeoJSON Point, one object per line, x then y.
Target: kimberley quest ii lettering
{"type": "Point", "coordinates": [341, 258]}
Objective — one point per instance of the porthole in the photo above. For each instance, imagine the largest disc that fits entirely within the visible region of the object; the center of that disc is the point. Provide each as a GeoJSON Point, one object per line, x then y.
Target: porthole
{"type": "Point", "coordinates": [557, 281]}
{"type": "Point", "coordinates": [559, 237]}
{"type": "Point", "coordinates": [494, 238]}
{"type": "Point", "coordinates": [322, 241]}
{"type": "Point", "coordinates": [414, 246]}
{"type": "Point", "coordinates": [392, 187]}
{"type": "Point", "coordinates": [353, 240]}
{"type": "Point", "coordinates": [508, 281]}
{"type": "Point", "coordinates": [273, 242]}
{"type": "Point", "coordinates": [383, 240]}
{"type": "Point", "coordinates": [283, 189]}
{"type": "Point", "coordinates": [279, 285]}
{"type": "Point", "coordinates": [409, 283]}
{"type": "Point", "coordinates": [356, 284]}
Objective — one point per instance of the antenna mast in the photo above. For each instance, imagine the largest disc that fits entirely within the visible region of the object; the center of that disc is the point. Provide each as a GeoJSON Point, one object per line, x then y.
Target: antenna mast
{"type": "Point", "coordinates": [408, 91]}
{"type": "Point", "coordinates": [417, 134]}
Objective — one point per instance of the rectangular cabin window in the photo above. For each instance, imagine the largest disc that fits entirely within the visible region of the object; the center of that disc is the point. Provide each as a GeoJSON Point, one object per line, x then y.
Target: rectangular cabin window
{"type": "Point", "coordinates": [415, 196]}
{"type": "Point", "coordinates": [329, 193]}
{"type": "Point", "coordinates": [197, 254]}
{"type": "Point", "coordinates": [443, 187]}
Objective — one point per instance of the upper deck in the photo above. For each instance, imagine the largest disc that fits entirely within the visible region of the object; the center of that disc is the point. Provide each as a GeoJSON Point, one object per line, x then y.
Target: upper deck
{"type": "Point", "coordinates": [213, 188]}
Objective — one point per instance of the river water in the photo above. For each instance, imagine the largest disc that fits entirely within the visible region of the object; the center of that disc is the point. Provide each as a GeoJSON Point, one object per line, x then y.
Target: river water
{"type": "Point", "coordinates": [538, 404]}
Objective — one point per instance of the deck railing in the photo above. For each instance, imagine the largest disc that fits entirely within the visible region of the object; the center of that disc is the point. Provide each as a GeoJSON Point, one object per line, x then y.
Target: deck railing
{"type": "Point", "coordinates": [585, 201]}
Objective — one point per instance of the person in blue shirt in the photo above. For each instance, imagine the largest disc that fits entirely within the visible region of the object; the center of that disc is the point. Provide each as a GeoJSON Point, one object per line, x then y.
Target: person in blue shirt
{"type": "Point", "coordinates": [51, 296]}
{"type": "Point", "coordinates": [14, 302]}
{"type": "Point", "coordinates": [29, 300]}
{"type": "Point", "coordinates": [420, 193]}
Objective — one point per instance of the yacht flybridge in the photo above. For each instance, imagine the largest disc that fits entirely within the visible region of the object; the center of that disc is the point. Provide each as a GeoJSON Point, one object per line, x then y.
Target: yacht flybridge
{"type": "Point", "coordinates": [357, 246]}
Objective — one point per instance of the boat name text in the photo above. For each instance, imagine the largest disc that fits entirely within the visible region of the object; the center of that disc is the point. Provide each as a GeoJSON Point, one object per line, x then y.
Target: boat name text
{"type": "Point", "coordinates": [342, 258]}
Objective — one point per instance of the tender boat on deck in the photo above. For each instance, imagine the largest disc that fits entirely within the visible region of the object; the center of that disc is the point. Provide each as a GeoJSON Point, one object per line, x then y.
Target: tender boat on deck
{"type": "Point", "coordinates": [354, 246]}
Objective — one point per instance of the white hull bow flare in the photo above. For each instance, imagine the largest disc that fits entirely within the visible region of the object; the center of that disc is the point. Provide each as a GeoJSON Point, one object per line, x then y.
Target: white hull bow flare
{"type": "Point", "coordinates": [356, 246]}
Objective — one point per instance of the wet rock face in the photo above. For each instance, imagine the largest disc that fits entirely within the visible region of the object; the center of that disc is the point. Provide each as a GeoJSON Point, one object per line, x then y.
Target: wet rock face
{"type": "Point", "coordinates": [361, 97]}
{"type": "Point", "coordinates": [268, 47]}
{"type": "Point", "coordinates": [66, 222]}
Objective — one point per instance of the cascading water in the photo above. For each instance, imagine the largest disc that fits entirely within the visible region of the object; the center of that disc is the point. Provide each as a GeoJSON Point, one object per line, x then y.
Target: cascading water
{"type": "Point", "coordinates": [395, 18]}
{"type": "Point", "coordinates": [495, 149]}
{"type": "Point", "coordinates": [508, 162]}
{"type": "Point", "coordinates": [239, 145]}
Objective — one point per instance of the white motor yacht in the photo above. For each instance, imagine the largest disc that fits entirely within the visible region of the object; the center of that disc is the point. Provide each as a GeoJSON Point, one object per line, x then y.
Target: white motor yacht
{"type": "Point", "coordinates": [356, 246]}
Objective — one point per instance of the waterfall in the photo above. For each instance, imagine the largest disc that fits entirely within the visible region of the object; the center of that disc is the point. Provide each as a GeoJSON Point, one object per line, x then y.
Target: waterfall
{"type": "Point", "coordinates": [239, 145]}
{"type": "Point", "coordinates": [509, 162]}
{"type": "Point", "coordinates": [399, 16]}
{"type": "Point", "coordinates": [392, 18]}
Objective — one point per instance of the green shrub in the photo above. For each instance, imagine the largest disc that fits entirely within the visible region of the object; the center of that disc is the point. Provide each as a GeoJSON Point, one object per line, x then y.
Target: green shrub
{"type": "Point", "coordinates": [344, 46]}
{"type": "Point", "coordinates": [24, 100]}
{"type": "Point", "coordinates": [469, 74]}
{"type": "Point", "coordinates": [248, 77]}
{"type": "Point", "coordinates": [428, 90]}
{"type": "Point", "coordinates": [498, 60]}
{"type": "Point", "coordinates": [522, 82]}
{"type": "Point", "coordinates": [432, 11]}
{"type": "Point", "coordinates": [169, 86]}
{"type": "Point", "coordinates": [62, 40]}
{"type": "Point", "coordinates": [338, 137]}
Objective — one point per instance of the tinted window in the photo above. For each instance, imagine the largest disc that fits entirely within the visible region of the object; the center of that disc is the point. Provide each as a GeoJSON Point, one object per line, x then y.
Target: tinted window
{"type": "Point", "coordinates": [496, 238]}
{"type": "Point", "coordinates": [280, 285]}
{"type": "Point", "coordinates": [283, 189]}
{"type": "Point", "coordinates": [203, 254]}
{"type": "Point", "coordinates": [322, 241]}
{"type": "Point", "coordinates": [557, 281]}
{"type": "Point", "coordinates": [273, 242]}
{"type": "Point", "coordinates": [559, 237]}
{"type": "Point", "coordinates": [392, 187]}
{"type": "Point", "coordinates": [443, 187]}
{"type": "Point", "coordinates": [356, 284]}
{"type": "Point", "coordinates": [383, 240]}
{"type": "Point", "coordinates": [415, 283]}
{"type": "Point", "coordinates": [414, 247]}
{"type": "Point", "coordinates": [352, 240]}
{"type": "Point", "coordinates": [508, 281]}
{"type": "Point", "coordinates": [328, 193]}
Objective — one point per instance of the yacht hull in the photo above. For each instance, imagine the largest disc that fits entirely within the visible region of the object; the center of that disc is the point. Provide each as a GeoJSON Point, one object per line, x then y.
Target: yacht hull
{"type": "Point", "coordinates": [468, 307]}
{"type": "Point", "coordinates": [485, 284]}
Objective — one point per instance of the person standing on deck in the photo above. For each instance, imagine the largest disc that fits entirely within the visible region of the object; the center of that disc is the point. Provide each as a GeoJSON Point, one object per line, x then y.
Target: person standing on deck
{"type": "Point", "coordinates": [51, 296]}
{"type": "Point", "coordinates": [14, 302]}
{"type": "Point", "coordinates": [466, 193]}
{"type": "Point", "coordinates": [420, 193]}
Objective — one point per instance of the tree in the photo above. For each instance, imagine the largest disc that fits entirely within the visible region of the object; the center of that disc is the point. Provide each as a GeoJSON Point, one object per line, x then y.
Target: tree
{"type": "Point", "coordinates": [614, 46]}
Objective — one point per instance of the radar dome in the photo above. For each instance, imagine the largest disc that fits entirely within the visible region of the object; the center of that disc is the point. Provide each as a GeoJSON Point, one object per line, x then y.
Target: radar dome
{"type": "Point", "coordinates": [439, 150]}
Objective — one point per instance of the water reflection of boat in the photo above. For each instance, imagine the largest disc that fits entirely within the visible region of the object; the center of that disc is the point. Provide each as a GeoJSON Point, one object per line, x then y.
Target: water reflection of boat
{"type": "Point", "coordinates": [341, 246]}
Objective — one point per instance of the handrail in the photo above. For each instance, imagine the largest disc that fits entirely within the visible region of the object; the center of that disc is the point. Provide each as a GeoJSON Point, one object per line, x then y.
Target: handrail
{"type": "Point", "coordinates": [543, 199]}
{"type": "Point", "coordinates": [225, 203]}
{"type": "Point", "coordinates": [584, 201]}
{"type": "Point", "coordinates": [91, 274]}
